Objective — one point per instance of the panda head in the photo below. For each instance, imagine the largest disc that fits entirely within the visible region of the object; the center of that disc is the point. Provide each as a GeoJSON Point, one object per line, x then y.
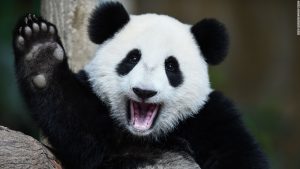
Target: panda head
{"type": "Point", "coordinates": [152, 70]}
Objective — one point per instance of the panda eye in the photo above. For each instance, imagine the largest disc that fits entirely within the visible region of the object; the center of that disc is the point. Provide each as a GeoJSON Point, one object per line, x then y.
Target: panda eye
{"type": "Point", "coordinates": [171, 64]}
{"type": "Point", "coordinates": [129, 62]}
{"type": "Point", "coordinates": [133, 56]}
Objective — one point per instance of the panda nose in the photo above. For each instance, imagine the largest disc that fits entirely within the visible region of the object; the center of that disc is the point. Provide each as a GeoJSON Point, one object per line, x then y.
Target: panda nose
{"type": "Point", "coordinates": [144, 94]}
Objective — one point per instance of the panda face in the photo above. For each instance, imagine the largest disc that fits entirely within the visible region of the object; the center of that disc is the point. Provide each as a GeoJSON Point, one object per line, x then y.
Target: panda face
{"type": "Point", "coordinates": [151, 73]}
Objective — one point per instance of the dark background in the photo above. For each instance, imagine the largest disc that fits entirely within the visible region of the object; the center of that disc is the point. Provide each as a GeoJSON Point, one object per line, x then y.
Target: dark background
{"type": "Point", "coordinates": [261, 73]}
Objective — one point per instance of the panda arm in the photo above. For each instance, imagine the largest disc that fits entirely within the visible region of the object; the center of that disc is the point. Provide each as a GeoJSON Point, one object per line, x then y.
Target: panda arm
{"type": "Point", "coordinates": [74, 121]}
{"type": "Point", "coordinates": [219, 139]}
{"type": "Point", "coordinates": [64, 107]}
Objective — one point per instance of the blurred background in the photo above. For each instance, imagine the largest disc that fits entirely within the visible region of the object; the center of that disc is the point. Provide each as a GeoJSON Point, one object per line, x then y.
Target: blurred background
{"type": "Point", "coordinates": [260, 74]}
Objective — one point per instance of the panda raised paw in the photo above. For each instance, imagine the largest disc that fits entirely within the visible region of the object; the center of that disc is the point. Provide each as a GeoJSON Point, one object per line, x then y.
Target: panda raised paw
{"type": "Point", "coordinates": [38, 49]}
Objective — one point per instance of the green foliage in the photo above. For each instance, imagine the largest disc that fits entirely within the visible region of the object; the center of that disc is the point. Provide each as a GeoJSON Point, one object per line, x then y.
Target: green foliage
{"type": "Point", "coordinates": [13, 113]}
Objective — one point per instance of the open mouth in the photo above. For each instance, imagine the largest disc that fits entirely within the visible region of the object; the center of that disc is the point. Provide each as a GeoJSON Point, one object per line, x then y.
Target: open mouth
{"type": "Point", "coordinates": [142, 115]}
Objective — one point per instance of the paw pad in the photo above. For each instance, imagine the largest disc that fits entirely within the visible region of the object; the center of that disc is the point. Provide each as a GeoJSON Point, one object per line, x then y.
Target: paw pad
{"type": "Point", "coordinates": [35, 27]}
{"type": "Point", "coordinates": [20, 42]}
{"type": "Point", "coordinates": [28, 31]}
{"type": "Point", "coordinates": [39, 81]}
{"type": "Point", "coordinates": [58, 53]}
{"type": "Point", "coordinates": [44, 27]}
{"type": "Point", "coordinates": [51, 30]}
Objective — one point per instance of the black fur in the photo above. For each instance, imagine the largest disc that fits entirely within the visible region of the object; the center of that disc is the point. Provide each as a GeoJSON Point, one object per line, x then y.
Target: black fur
{"type": "Point", "coordinates": [213, 40]}
{"type": "Point", "coordinates": [219, 139]}
{"type": "Point", "coordinates": [106, 20]}
{"type": "Point", "coordinates": [173, 72]}
{"type": "Point", "coordinates": [129, 62]}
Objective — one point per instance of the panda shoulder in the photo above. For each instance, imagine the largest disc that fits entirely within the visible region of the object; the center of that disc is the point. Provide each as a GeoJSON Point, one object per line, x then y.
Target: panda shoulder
{"type": "Point", "coordinates": [218, 112]}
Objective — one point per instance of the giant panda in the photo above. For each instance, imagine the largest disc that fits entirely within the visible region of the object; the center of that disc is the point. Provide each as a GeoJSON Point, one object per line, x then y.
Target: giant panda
{"type": "Point", "coordinates": [143, 101]}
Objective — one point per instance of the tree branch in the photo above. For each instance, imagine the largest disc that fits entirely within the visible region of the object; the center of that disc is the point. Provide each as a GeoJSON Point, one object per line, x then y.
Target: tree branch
{"type": "Point", "coordinates": [20, 151]}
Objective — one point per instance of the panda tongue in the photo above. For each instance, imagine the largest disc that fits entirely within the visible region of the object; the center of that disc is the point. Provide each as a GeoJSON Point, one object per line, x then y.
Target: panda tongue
{"type": "Point", "coordinates": [142, 115]}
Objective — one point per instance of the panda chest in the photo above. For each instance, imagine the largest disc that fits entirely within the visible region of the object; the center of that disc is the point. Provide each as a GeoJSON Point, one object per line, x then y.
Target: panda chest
{"type": "Point", "coordinates": [149, 156]}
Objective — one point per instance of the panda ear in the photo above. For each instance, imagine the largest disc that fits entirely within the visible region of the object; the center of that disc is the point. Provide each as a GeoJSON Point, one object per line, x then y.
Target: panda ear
{"type": "Point", "coordinates": [212, 38]}
{"type": "Point", "coordinates": [106, 20]}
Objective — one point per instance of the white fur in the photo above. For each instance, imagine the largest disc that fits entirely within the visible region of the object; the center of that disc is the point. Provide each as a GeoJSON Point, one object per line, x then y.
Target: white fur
{"type": "Point", "coordinates": [158, 37]}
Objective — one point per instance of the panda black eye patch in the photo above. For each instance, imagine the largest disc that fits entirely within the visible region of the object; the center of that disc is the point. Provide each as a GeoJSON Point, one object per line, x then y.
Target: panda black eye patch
{"type": "Point", "coordinates": [128, 63]}
{"type": "Point", "coordinates": [173, 72]}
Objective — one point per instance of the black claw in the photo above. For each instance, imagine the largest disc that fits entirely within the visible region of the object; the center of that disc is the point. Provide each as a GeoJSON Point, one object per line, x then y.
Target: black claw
{"type": "Point", "coordinates": [34, 17]}
{"type": "Point", "coordinates": [29, 16]}
{"type": "Point", "coordinates": [20, 30]}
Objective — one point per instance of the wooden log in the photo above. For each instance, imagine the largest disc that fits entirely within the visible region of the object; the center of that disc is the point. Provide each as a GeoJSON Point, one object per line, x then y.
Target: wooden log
{"type": "Point", "coordinates": [20, 151]}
